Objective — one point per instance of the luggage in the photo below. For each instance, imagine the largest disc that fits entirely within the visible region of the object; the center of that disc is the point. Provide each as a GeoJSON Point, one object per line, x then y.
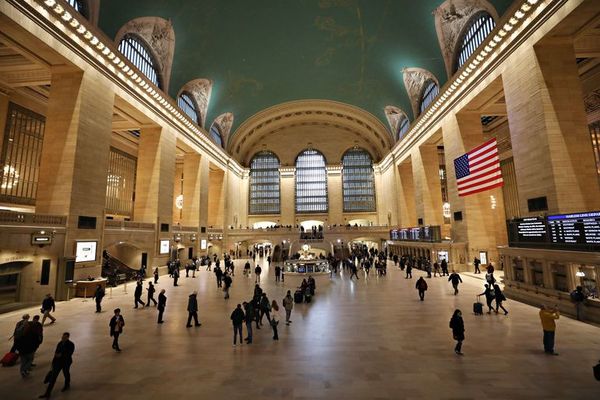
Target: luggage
{"type": "Point", "coordinates": [308, 297]}
{"type": "Point", "coordinates": [477, 307]}
{"type": "Point", "coordinates": [298, 297]}
{"type": "Point", "coordinates": [9, 359]}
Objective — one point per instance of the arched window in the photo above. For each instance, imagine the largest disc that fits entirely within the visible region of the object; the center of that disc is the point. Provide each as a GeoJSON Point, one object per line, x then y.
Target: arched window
{"type": "Point", "coordinates": [188, 105]}
{"type": "Point", "coordinates": [358, 181]}
{"type": "Point", "coordinates": [311, 182]}
{"type": "Point", "coordinates": [80, 6]}
{"type": "Point", "coordinates": [215, 133]}
{"type": "Point", "coordinates": [264, 193]}
{"type": "Point", "coordinates": [403, 127]}
{"type": "Point", "coordinates": [478, 28]}
{"type": "Point", "coordinates": [429, 94]}
{"type": "Point", "coordinates": [136, 51]}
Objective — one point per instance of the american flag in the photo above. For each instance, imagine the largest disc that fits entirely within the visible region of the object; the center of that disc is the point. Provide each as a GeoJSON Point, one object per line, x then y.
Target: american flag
{"type": "Point", "coordinates": [479, 169]}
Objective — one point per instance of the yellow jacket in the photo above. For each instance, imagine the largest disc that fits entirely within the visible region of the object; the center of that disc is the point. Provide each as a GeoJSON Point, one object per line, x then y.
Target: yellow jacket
{"type": "Point", "coordinates": [548, 317]}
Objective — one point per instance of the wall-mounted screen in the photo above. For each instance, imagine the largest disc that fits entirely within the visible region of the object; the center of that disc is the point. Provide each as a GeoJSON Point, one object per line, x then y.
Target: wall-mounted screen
{"type": "Point", "coordinates": [85, 251]}
{"type": "Point", "coordinates": [203, 244]}
{"type": "Point", "coordinates": [164, 247]}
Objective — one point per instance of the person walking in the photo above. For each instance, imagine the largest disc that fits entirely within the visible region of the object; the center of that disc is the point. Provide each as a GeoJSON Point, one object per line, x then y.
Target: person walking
{"type": "Point", "coordinates": [63, 358]}
{"type": "Point", "coordinates": [436, 269]}
{"type": "Point", "coordinates": [458, 330]}
{"type": "Point", "coordinates": [192, 309]}
{"type": "Point", "coordinates": [19, 331]}
{"type": "Point", "coordinates": [409, 268]}
{"type": "Point", "coordinates": [354, 271]}
{"type": "Point", "coordinates": [227, 281]}
{"type": "Point", "coordinates": [155, 275]}
{"type": "Point", "coordinates": [455, 279]}
{"type": "Point", "coordinates": [137, 294]}
{"type": "Point", "coordinates": [257, 272]}
{"type": "Point", "coordinates": [548, 316]}
{"type": "Point", "coordinates": [38, 331]}
{"type": "Point", "coordinates": [499, 296]}
{"type": "Point", "coordinates": [27, 344]}
{"type": "Point", "coordinates": [265, 308]}
{"type": "Point", "coordinates": [489, 297]}
{"type": "Point", "coordinates": [274, 321]}
{"type": "Point", "coordinates": [98, 296]}
{"type": "Point", "coordinates": [116, 324]}
{"type": "Point", "coordinates": [151, 291]}
{"type": "Point", "coordinates": [421, 286]}
{"type": "Point", "coordinates": [277, 273]}
{"type": "Point", "coordinates": [578, 297]}
{"type": "Point", "coordinates": [175, 276]}
{"type": "Point", "coordinates": [248, 319]}
{"type": "Point", "coordinates": [288, 305]}
{"type": "Point", "coordinates": [47, 306]}
{"type": "Point", "coordinates": [162, 303]}
{"type": "Point", "coordinates": [444, 265]}
{"type": "Point", "coordinates": [476, 263]}
{"type": "Point", "coordinates": [237, 318]}
{"type": "Point", "coordinates": [219, 274]}
{"type": "Point", "coordinates": [247, 269]}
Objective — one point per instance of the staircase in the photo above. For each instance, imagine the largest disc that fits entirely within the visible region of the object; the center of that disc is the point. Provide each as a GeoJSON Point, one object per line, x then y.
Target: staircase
{"type": "Point", "coordinates": [115, 271]}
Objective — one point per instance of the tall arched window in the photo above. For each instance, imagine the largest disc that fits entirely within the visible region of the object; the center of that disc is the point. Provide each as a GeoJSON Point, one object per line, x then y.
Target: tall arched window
{"type": "Point", "coordinates": [215, 133]}
{"type": "Point", "coordinates": [429, 94]}
{"type": "Point", "coordinates": [478, 28]}
{"type": "Point", "coordinates": [358, 181]}
{"type": "Point", "coordinates": [311, 182]}
{"type": "Point", "coordinates": [403, 126]}
{"type": "Point", "coordinates": [136, 51]}
{"type": "Point", "coordinates": [264, 193]}
{"type": "Point", "coordinates": [80, 6]}
{"type": "Point", "coordinates": [188, 105]}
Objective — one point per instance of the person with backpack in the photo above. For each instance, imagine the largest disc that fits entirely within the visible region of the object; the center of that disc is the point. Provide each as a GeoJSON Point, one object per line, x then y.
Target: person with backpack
{"type": "Point", "coordinates": [458, 330]}
{"type": "Point", "coordinates": [47, 306]}
{"type": "Point", "coordinates": [237, 318]}
{"type": "Point", "coordinates": [499, 296]}
{"type": "Point", "coordinates": [455, 279]}
{"type": "Point", "coordinates": [489, 297]}
{"type": "Point", "coordinates": [98, 296]}
{"type": "Point", "coordinates": [421, 286]}
{"type": "Point", "coordinates": [116, 324]}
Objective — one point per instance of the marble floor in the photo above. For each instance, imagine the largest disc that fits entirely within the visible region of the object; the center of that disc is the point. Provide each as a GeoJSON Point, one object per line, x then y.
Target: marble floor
{"type": "Point", "coordinates": [371, 339]}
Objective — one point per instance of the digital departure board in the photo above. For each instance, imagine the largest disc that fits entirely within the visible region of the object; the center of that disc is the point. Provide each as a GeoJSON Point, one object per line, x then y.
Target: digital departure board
{"type": "Point", "coordinates": [575, 229]}
{"type": "Point", "coordinates": [417, 234]}
{"type": "Point", "coordinates": [532, 230]}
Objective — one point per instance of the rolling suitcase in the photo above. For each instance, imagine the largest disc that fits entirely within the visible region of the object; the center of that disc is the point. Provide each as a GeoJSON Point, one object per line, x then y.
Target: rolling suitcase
{"type": "Point", "coordinates": [298, 297]}
{"type": "Point", "coordinates": [477, 307]}
{"type": "Point", "coordinates": [308, 297]}
{"type": "Point", "coordinates": [9, 359]}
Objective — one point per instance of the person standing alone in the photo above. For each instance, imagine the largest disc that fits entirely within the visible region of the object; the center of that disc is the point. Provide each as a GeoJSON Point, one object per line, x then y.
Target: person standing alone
{"type": "Point", "coordinates": [98, 296]}
{"type": "Point", "coordinates": [288, 305]}
{"type": "Point", "coordinates": [257, 272]}
{"type": "Point", "coordinates": [548, 316]}
{"type": "Point", "coordinates": [237, 318]}
{"type": "Point", "coordinates": [458, 330]}
{"type": "Point", "coordinates": [421, 286]}
{"type": "Point", "coordinates": [63, 358]}
{"type": "Point", "coordinates": [192, 309]}
{"type": "Point", "coordinates": [117, 322]}
{"type": "Point", "coordinates": [162, 303]}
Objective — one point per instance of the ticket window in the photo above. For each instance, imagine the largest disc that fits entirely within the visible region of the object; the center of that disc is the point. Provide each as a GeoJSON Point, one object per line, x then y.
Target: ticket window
{"type": "Point", "coordinates": [559, 277]}
{"type": "Point", "coordinates": [519, 271]}
{"type": "Point", "coordinates": [537, 273]}
{"type": "Point", "coordinates": [587, 278]}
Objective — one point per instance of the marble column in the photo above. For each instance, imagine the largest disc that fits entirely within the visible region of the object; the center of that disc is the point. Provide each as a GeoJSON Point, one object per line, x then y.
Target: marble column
{"type": "Point", "coordinates": [428, 189]}
{"type": "Point", "coordinates": [406, 194]}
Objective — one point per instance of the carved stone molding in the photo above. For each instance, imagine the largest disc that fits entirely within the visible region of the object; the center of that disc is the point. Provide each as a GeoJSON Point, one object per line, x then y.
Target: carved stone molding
{"type": "Point", "coordinates": [592, 101]}
{"type": "Point", "coordinates": [450, 20]}
{"type": "Point", "coordinates": [394, 115]}
{"type": "Point", "coordinates": [158, 33]}
{"type": "Point", "coordinates": [200, 89]}
{"type": "Point", "coordinates": [225, 122]}
{"type": "Point", "coordinates": [414, 80]}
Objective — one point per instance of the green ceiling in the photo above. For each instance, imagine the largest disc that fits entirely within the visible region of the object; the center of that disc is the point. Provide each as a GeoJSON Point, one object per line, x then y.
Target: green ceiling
{"type": "Point", "coordinates": [264, 52]}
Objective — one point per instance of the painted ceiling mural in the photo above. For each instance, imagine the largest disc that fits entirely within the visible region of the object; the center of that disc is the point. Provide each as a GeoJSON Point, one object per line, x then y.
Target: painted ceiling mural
{"type": "Point", "coordinates": [264, 52]}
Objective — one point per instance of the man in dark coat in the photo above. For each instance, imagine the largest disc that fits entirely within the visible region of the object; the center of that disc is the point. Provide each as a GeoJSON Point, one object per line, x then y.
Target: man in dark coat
{"type": "Point", "coordinates": [455, 279]}
{"type": "Point", "coordinates": [137, 295]}
{"type": "Point", "coordinates": [237, 318]}
{"type": "Point", "coordinates": [162, 303]}
{"type": "Point", "coordinates": [98, 296]}
{"type": "Point", "coordinates": [192, 309]}
{"type": "Point", "coordinates": [116, 324]}
{"type": "Point", "coordinates": [249, 317]}
{"type": "Point", "coordinates": [63, 358]}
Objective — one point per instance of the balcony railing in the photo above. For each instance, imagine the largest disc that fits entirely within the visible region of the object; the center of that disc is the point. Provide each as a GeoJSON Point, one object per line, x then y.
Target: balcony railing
{"type": "Point", "coordinates": [180, 228]}
{"type": "Point", "coordinates": [132, 225]}
{"type": "Point", "coordinates": [20, 218]}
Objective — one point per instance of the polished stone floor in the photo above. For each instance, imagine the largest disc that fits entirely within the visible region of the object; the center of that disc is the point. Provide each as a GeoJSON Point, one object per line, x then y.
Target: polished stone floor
{"type": "Point", "coordinates": [371, 339]}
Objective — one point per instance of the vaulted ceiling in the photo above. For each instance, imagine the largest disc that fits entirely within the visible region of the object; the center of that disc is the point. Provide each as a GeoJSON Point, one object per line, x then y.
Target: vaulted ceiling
{"type": "Point", "coordinates": [265, 52]}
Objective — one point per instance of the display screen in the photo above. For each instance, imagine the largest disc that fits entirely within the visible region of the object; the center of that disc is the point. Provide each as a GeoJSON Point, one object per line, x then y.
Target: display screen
{"type": "Point", "coordinates": [164, 247]}
{"type": "Point", "coordinates": [419, 234]}
{"type": "Point", "coordinates": [85, 251]}
{"type": "Point", "coordinates": [582, 228]}
{"type": "Point", "coordinates": [203, 244]}
{"type": "Point", "coordinates": [531, 230]}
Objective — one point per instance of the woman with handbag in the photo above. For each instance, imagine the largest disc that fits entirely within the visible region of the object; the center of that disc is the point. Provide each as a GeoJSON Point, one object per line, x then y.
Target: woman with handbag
{"type": "Point", "coordinates": [275, 318]}
{"type": "Point", "coordinates": [458, 330]}
{"type": "Point", "coordinates": [499, 299]}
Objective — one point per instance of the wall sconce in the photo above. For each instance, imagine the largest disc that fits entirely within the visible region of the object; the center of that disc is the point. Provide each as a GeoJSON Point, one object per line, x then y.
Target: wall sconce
{"type": "Point", "coordinates": [193, 237]}
{"type": "Point", "coordinates": [177, 238]}
{"type": "Point", "coordinates": [41, 238]}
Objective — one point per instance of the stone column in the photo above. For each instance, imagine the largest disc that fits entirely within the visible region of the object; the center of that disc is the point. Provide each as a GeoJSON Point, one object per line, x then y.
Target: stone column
{"type": "Point", "coordinates": [406, 195]}
{"type": "Point", "coordinates": [4, 100]}
{"type": "Point", "coordinates": [74, 161]}
{"type": "Point", "coordinates": [191, 189]}
{"type": "Point", "coordinates": [335, 195]}
{"type": "Point", "coordinates": [550, 138]}
{"type": "Point", "coordinates": [288, 195]}
{"type": "Point", "coordinates": [177, 190]}
{"type": "Point", "coordinates": [480, 224]}
{"type": "Point", "coordinates": [428, 189]}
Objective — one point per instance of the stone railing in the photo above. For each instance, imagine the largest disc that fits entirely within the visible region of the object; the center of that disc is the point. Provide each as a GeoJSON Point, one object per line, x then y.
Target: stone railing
{"type": "Point", "coordinates": [19, 218]}
{"type": "Point", "coordinates": [181, 228]}
{"type": "Point", "coordinates": [110, 223]}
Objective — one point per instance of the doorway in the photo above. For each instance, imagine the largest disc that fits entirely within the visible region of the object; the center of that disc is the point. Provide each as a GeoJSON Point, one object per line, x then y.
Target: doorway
{"type": "Point", "coordinates": [9, 285]}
